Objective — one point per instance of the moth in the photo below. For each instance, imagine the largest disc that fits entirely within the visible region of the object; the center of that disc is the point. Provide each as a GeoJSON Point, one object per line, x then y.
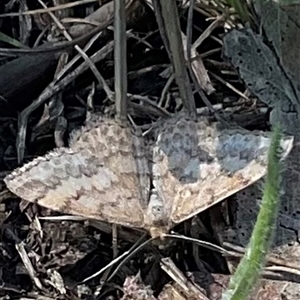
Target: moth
{"type": "Point", "coordinates": [111, 174]}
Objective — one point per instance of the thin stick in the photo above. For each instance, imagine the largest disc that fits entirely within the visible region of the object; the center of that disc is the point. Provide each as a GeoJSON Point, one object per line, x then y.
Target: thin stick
{"type": "Point", "coordinates": [120, 60]}
{"type": "Point", "coordinates": [92, 66]}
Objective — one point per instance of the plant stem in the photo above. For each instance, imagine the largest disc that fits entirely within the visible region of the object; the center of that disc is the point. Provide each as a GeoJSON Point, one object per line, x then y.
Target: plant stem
{"type": "Point", "coordinates": [248, 271]}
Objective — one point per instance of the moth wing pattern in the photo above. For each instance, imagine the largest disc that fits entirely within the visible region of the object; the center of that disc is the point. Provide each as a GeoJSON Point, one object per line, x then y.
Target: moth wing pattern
{"type": "Point", "coordinates": [97, 177]}
{"type": "Point", "coordinates": [173, 158]}
{"type": "Point", "coordinates": [120, 149]}
{"type": "Point", "coordinates": [105, 173]}
{"type": "Point", "coordinates": [213, 162]}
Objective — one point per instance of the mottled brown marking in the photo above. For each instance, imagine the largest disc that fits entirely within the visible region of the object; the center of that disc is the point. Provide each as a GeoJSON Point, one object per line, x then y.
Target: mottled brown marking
{"type": "Point", "coordinates": [105, 173]}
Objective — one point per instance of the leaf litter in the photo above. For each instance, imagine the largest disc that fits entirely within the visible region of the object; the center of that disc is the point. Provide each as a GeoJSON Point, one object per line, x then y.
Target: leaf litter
{"type": "Point", "coordinates": [62, 254]}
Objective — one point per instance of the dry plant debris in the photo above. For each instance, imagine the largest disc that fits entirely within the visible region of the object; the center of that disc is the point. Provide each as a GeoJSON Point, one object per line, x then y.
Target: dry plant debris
{"type": "Point", "coordinates": [57, 252]}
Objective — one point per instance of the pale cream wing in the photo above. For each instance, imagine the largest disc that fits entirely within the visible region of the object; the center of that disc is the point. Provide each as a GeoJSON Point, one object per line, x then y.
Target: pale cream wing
{"type": "Point", "coordinates": [197, 164]}
{"type": "Point", "coordinates": [174, 158]}
{"type": "Point", "coordinates": [101, 176]}
{"type": "Point", "coordinates": [118, 148]}
{"type": "Point", "coordinates": [76, 182]}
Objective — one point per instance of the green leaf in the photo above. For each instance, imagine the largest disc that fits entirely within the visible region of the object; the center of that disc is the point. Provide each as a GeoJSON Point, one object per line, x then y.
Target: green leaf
{"type": "Point", "coordinates": [7, 39]}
